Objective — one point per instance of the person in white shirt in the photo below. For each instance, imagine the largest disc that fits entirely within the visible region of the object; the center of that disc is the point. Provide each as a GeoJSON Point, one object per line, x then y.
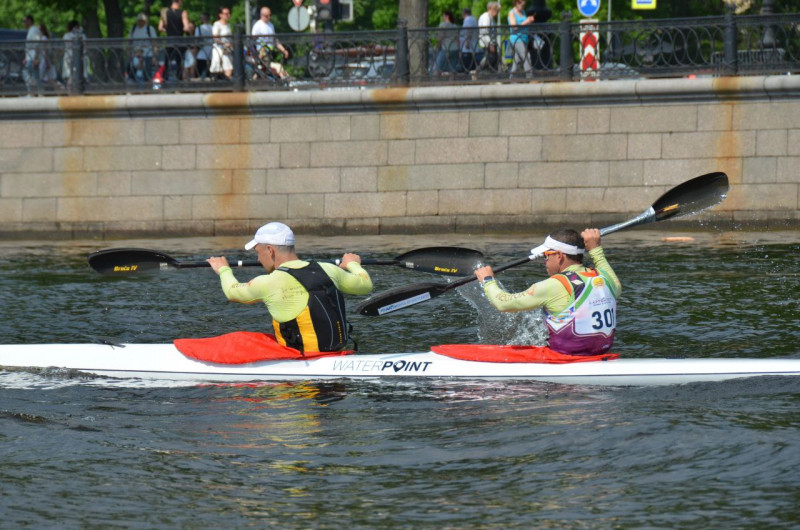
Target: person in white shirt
{"type": "Point", "coordinates": [488, 55]}
{"type": "Point", "coordinates": [222, 57]}
{"type": "Point", "coordinates": [267, 44]}
{"type": "Point", "coordinates": [74, 32]}
{"type": "Point", "coordinates": [33, 55]}
{"type": "Point", "coordinates": [488, 24]}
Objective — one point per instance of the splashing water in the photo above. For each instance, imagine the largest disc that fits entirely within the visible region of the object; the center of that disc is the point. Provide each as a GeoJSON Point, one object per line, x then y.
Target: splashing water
{"type": "Point", "coordinates": [494, 327]}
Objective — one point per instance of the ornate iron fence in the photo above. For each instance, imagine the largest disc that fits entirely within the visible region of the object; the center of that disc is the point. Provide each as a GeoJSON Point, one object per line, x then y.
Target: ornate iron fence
{"type": "Point", "coordinates": [713, 46]}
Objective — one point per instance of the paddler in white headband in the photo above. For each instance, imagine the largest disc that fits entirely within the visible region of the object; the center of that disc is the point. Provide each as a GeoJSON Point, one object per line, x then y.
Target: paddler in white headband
{"type": "Point", "coordinates": [580, 303]}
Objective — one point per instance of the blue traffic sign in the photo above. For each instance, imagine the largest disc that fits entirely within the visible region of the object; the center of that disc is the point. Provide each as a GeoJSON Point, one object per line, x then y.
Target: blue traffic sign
{"type": "Point", "coordinates": [588, 8]}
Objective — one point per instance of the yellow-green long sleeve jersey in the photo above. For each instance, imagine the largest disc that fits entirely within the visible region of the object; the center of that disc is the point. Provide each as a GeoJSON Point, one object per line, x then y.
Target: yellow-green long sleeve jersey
{"type": "Point", "coordinates": [284, 296]}
{"type": "Point", "coordinates": [550, 293]}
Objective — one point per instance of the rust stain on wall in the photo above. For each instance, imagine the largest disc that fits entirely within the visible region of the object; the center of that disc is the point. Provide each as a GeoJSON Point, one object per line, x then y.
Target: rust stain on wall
{"type": "Point", "coordinates": [72, 174]}
{"type": "Point", "coordinates": [389, 96]}
{"type": "Point", "coordinates": [87, 104]}
{"type": "Point", "coordinates": [235, 154]}
{"type": "Point", "coordinates": [228, 101]}
{"type": "Point", "coordinates": [728, 151]}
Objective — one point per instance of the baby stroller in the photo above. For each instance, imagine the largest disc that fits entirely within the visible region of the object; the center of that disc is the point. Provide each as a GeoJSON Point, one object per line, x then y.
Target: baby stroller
{"type": "Point", "coordinates": [264, 62]}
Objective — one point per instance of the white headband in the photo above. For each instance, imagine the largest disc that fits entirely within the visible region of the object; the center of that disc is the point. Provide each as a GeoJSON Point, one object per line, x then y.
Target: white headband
{"type": "Point", "coordinates": [553, 244]}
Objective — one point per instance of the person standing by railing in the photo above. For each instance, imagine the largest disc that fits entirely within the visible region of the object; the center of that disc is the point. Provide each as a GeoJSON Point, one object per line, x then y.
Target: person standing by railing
{"type": "Point", "coordinates": [143, 58]}
{"type": "Point", "coordinates": [175, 23]}
{"type": "Point", "coordinates": [222, 60]}
{"type": "Point", "coordinates": [268, 45]}
{"type": "Point", "coordinates": [468, 41]}
{"type": "Point", "coordinates": [47, 71]}
{"type": "Point", "coordinates": [488, 55]}
{"type": "Point", "coordinates": [74, 32]}
{"type": "Point", "coordinates": [519, 21]}
{"type": "Point", "coordinates": [204, 32]}
{"type": "Point", "coordinates": [32, 56]}
{"type": "Point", "coordinates": [446, 47]}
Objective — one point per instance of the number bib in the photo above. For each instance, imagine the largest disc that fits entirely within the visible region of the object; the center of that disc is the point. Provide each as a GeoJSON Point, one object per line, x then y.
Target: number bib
{"type": "Point", "coordinates": [587, 326]}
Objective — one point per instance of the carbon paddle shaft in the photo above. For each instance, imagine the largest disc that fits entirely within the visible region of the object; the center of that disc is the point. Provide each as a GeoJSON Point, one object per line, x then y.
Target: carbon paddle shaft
{"type": "Point", "coordinates": [448, 261]}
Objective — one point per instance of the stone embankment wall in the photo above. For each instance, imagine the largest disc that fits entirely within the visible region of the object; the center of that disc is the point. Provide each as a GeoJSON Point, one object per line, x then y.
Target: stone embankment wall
{"type": "Point", "coordinates": [438, 159]}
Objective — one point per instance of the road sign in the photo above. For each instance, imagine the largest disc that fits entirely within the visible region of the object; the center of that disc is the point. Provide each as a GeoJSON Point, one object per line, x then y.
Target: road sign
{"type": "Point", "coordinates": [643, 4]}
{"type": "Point", "coordinates": [299, 18]}
{"type": "Point", "coordinates": [589, 8]}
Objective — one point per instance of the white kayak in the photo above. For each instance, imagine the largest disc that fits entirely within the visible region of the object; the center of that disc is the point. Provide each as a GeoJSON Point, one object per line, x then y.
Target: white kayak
{"type": "Point", "coordinates": [165, 362]}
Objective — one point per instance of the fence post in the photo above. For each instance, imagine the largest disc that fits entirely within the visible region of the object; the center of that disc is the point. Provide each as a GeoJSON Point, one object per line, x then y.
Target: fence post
{"type": "Point", "coordinates": [730, 47]}
{"type": "Point", "coordinates": [238, 60]}
{"type": "Point", "coordinates": [402, 70]}
{"type": "Point", "coordinates": [567, 57]}
{"type": "Point", "coordinates": [77, 84]}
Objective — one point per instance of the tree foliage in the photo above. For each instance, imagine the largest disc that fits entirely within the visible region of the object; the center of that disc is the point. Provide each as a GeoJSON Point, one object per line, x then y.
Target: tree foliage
{"type": "Point", "coordinates": [114, 18]}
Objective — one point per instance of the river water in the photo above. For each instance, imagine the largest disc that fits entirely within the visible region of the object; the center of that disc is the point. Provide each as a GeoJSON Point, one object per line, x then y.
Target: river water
{"type": "Point", "coordinates": [85, 452]}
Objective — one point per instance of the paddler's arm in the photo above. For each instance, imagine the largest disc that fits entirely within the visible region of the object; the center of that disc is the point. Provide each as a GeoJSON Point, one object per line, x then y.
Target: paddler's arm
{"type": "Point", "coordinates": [349, 277]}
{"type": "Point", "coordinates": [546, 293]}
{"type": "Point", "coordinates": [245, 293]}
{"type": "Point", "coordinates": [591, 239]}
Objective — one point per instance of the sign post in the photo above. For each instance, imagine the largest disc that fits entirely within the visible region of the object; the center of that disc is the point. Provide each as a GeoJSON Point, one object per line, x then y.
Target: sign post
{"type": "Point", "coordinates": [590, 50]}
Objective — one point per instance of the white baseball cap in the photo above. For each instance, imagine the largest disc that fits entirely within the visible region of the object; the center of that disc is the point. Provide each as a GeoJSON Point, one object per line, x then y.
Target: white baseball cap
{"type": "Point", "coordinates": [272, 234]}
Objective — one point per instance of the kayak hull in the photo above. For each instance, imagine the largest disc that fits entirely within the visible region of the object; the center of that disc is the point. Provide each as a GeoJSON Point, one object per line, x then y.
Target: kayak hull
{"type": "Point", "coordinates": [165, 362]}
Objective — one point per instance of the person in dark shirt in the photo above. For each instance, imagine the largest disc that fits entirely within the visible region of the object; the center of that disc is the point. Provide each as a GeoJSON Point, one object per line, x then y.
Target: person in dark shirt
{"type": "Point", "coordinates": [175, 23]}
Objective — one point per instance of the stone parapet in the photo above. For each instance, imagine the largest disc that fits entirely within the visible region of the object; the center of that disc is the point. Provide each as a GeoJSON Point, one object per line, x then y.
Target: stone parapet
{"type": "Point", "coordinates": [399, 160]}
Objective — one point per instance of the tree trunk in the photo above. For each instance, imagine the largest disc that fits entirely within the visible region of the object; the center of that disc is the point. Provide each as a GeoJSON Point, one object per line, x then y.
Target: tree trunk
{"type": "Point", "coordinates": [415, 15]}
{"type": "Point", "coordinates": [114, 21]}
{"type": "Point", "coordinates": [414, 12]}
{"type": "Point", "coordinates": [91, 25]}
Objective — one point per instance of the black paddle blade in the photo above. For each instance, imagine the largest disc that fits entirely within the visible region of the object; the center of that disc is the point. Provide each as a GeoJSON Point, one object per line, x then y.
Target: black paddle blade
{"type": "Point", "coordinates": [448, 261]}
{"type": "Point", "coordinates": [126, 261]}
{"type": "Point", "coordinates": [399, 298]}
{"type": "Point", "coordinates": [693, 196]}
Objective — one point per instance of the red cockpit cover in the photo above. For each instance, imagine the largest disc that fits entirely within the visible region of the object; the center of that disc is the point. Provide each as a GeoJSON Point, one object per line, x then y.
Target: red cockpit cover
{"type": "Point", "coordinates": [241, 347]}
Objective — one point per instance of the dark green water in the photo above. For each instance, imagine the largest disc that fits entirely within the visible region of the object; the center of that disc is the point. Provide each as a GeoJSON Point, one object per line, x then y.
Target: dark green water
{"type": "Point", "coordinates": [79, 452]}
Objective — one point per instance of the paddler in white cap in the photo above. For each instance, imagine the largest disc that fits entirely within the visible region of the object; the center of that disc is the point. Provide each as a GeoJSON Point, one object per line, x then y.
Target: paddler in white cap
{"type": "Point", "coordinates": [304, 297]}
{"type": "Point", "coordinates": [580, 303]}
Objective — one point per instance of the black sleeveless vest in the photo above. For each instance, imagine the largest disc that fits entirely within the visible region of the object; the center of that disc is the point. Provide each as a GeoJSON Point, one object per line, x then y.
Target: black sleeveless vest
{"type": "Point", "coordinates": [322, 325]}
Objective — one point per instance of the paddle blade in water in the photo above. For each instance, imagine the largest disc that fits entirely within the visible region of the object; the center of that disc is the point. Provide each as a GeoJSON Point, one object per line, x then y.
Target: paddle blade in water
{"type": "Point", "coordinates": [693, 196]}
{"type": "Point", "coordinates": [448, 261]}
{"type": "Point", "coordinates": [126, 261]}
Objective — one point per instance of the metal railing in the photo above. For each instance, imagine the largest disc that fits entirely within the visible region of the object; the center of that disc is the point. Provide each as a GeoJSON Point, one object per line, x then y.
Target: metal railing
{"type": "Point", "coordinates": [711, 46]}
